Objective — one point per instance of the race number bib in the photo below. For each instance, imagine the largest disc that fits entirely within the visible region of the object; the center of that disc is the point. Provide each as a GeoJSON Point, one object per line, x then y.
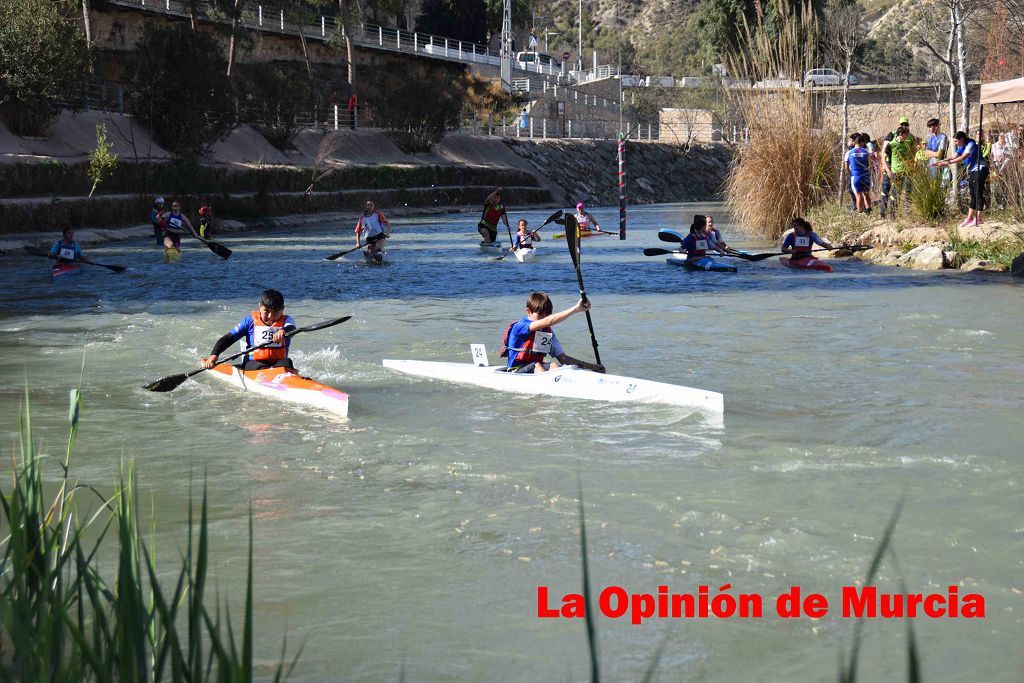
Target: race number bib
{"type": "Point", "coordinates": [542, 342]}
{"type": "Point", "coordinates": [262, 335]}
{"type": "Point", "coordinates": [702, 244]}
{"type": "Point", "coordinates": [801, 241]}
{"type": "Point", "coordinates": [174, 224]}
{"type": "Point", "coordinates": [67, 254]}
{"type": "Point", "coordinates": [479, 355]}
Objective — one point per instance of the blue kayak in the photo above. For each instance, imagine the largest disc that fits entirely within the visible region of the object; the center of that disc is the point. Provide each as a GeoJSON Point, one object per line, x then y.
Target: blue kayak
{"type": "Point", "coordinates": [702, 263]}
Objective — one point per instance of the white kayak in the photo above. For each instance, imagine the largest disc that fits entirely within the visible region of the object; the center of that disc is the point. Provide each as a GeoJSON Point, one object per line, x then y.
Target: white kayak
{"type": "Point", "coordinates": [526, 255]}
{"type": "Point", "coordinates": [284, 384]}
{"type": "Point", "coordinates": [567, 382]}
{"type": "Point", "coordinates": [492, 247]}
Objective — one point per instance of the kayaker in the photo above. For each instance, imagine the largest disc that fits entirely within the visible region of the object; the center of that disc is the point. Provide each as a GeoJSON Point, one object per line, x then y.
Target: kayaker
{"type": "Point", "coordinates": [699, 242]}
{"type": "Point", "coordinates": [585, 221]}
{"type": "Point", "coordinates": [373, 226]}
{"type": "Point", "coordinates": [494, 211]}
{"type": "Point", "coordinates": [801, 241]}
{"type": "Point", "coordinates": [523, 237]}
{"type": "Point", "coordinates": [529, 340]}
{"type": "Point", "coordinates": [715, 235]}
{"type": "Point", "coordinates": [206, 222]}
{"type": "Point", "coordinates": [158, 221]}
{"type": "Point", "coordinates": [176, 222]}
{"type": "Point", "coordinates": [269, 323]}
{"type": "Point", "coordinates": [66, 250]}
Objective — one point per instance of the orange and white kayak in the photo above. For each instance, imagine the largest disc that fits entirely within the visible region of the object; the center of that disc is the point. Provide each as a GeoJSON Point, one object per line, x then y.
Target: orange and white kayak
{"type": "Point", "coordinates": [284, 384]}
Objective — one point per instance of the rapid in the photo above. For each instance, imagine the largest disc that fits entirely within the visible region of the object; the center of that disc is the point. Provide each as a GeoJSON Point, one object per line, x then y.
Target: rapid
{"type": "Point", "coordinates": [412, 536]}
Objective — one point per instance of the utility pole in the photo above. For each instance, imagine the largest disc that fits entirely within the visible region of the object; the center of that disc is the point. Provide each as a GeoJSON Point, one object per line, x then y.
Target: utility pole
{"type": "Point", "coordinates": [506, 47]}
{"type": "Point", "coordinates": [579, 46]}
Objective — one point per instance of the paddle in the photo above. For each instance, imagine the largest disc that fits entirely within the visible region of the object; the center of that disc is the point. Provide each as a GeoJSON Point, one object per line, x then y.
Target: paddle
{"type": "Point", "coordinates": [560, 235]}
{"type": "Point", "coordinates": [334, 257]}
{"type": "Point", "coordinates": [216, 248]}
{"type": "Point", "coordinates": [666, 235]}
{"type": "Point", "coordinates": [572, 239]}
{"type": "Point", "coordinates": [761, 257]}
{"type": "Point", "coordinates": [36, 251]}
{"type": "Point", "coordinates": [553, 217]}
{"type": "Point", "coordinates": [174, 381]}
{"type": "Point", "coordinates": [655, 251]}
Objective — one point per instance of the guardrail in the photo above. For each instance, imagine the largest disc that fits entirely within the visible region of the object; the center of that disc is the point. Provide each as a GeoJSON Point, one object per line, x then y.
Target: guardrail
{"type": "Point", "coordinates": [542, 128]}
{"type": "Point", "coordinates": [324, 28]}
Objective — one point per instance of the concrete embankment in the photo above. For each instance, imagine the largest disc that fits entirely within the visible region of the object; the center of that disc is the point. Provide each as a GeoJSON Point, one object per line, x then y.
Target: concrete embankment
{"type": "Point", "coordinates": [44, 181]}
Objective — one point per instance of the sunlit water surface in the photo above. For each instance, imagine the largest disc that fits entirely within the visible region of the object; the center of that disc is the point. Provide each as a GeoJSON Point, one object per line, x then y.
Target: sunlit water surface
{"type": "Point", "coordinates": [413, 535]}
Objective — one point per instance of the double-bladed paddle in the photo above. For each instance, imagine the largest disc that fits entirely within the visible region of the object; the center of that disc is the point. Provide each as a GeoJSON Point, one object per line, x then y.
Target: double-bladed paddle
{"type": "Point", "coordinates": [334, 257]}
{"type": "Point", "coordinates": [552, 218]}
{"type": "Point", "coordinates": [572, 239]}
{"type": "Point", "coordinates": [217, 248]}
{"type": "Point", "coordinates": [36, 251]}
{"type": "Point", "coordinates": [174, 381]}
{"type": "Point", "coordinates": [761, 257]}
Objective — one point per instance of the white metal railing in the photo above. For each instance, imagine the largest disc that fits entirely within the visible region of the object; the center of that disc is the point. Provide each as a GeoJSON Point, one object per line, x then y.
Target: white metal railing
{"type": "Point", "coordinates": [603, 71]}
{"type": "Point", "coordinates": [324, 27]}
{"type": "Point", "coordinates": [543, 128]}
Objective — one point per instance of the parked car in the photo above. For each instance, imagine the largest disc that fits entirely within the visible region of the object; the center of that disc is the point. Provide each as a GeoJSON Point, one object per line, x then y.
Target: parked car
{"type": "Point", "coordinates": [528, 59]}
{"type": "Point", "coordinates": [820, 77]}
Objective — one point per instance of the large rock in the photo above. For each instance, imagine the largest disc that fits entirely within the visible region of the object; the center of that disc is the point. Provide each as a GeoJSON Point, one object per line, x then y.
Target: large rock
{"type": "Point", "coordinates": [1017, 267]}
{"type": "Point", "coordinates": [925, 257]}
{"type": "Point", "coordinates": [982, 264]}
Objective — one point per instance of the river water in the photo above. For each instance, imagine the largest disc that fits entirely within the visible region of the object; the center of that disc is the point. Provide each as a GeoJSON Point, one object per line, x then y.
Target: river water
{"type": "Point", "coordinates": [413, 536]}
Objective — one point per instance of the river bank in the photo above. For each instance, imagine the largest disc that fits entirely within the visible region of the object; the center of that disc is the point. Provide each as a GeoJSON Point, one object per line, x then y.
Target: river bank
{"type": "Point", "coordinates": [994, 246]}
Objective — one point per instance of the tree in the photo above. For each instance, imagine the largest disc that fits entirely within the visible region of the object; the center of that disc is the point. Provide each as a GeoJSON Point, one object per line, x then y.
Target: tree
{"type": "Point", "coordinates": [102, 161]}
{"type": "Point", "coordinates": [415, 127]}
{"type": "Point", "coordinates": [274, 98]}
{"type": "Point", "coordinates": [177, 87]}
{"type": "Point", "coordinates": [455, 19]}
{"type": "Point", "coordinates": [43, 58]}
{"type": "Point", "coordinates": [844, 36]}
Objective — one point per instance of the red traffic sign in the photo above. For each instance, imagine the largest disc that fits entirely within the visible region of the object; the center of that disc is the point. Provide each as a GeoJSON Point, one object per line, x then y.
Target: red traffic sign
{"type": "Point", "coordinates": [566, 55]}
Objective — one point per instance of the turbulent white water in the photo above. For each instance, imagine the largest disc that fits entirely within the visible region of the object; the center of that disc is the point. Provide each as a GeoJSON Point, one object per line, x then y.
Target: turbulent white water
{"type": "Point", "coordinates": [414, 535]}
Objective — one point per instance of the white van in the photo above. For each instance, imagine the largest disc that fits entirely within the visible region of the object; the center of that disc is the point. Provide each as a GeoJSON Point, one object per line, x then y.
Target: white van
{"type": "Point", "coordinates": [528, 60]}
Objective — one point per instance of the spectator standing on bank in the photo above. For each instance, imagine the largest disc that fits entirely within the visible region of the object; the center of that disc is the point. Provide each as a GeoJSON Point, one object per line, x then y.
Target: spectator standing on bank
{"type": "Point", "coordinates": [886, 161]}
{"type": "Point", "coordinates": [353, 105]}
{"type": "Point", "coordinates": [935, 148]}
{"type": "Point", "coordinates": [897, 167]}
{"type": "Point", "coordinates": [533, 42]}
{"type": "Point", "coordinates": [524, 121]}
{"type": "Point", "coordinates": [969, 152]}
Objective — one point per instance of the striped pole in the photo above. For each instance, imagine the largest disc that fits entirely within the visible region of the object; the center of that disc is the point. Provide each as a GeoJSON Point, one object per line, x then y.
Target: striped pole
{"type": "Point", "coordinates": [622, 187]}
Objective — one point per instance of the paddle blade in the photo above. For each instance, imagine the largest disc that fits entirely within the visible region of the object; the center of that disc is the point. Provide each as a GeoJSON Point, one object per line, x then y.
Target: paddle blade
{"type": "Point", "coordinates": [552, 218]}
{"type": "Point", "coordinates": [36, 251]}
{"type": "Point", "coordinates": [219, 250]}
{"type": "Point", "coordinates": [572, 238]}
{"type": "Point", "coordinates": [320, 326]}
{"type": "Point", "coordinates": [666, 235]}
{"type": "Point", "coordinates": [166, 384]}
{"type": "Point", "coordinates": [116, 269]}
{"type": "Point", "coordinates": [655, 251]}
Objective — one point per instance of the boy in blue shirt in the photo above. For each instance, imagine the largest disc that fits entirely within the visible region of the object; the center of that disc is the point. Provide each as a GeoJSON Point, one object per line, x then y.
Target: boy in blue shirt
{"type": "Point", "coordinates": [858, 163]}
{"type": "Point", "coordinates": [268, 324]}
{"type": "Point", "coordinates": [530, 339]}
{"type": "Point", "coordinates": [66, 250]}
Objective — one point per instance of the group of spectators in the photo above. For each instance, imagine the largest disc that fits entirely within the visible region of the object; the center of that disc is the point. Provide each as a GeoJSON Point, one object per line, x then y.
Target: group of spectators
{"type": "Point", "coordinates": [891, 162]}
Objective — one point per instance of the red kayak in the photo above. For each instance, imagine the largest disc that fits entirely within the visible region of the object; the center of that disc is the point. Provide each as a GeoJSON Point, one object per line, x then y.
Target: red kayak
{"type": "Point", "coordinates": [62, 271]}
{"type": "Point", "coordinates": [806, 263]}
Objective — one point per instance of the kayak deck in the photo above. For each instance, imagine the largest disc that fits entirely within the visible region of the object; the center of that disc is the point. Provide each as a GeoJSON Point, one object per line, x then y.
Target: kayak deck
{"type": "Point", "coordinates": [806, 264]}
{"type": "Point", "coordinates": [704, 263]}
{"type": "Point", "coordinates": [284, 384]}
{"type": "Point", "coordinates": [524, 255]}
{"type": "Point", "coordinates": [566, 382]}
{"type": "Point", "coordinates": [62, 271]}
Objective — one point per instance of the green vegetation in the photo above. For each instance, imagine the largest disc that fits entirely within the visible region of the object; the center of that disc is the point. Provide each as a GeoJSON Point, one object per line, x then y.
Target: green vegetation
{"type": "Point", "coordinates": [927, 194]}
{"type": "Point", "coordinates": [178, 89]}
{"type": "Point", "coordinates": [65, 617]}
{"type": "Point", "coordinates": [43, 57]}
{"type": "Point", "coordinates": [102, 161]}
{"type": "Point", "coordinates": [274, 97]}
{"type": "Point", "coordinates": [403, 90]}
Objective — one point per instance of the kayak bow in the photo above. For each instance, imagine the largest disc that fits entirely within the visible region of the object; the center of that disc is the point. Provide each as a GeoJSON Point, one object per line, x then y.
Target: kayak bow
{"type": "Point", "coordinates": [284, 384]}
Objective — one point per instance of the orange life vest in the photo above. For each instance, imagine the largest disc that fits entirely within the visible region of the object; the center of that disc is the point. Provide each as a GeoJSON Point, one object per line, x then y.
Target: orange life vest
{"type": "Point", "coordinates": [261, 334]}
{"type": "Point", "coordinates": [525, 354]}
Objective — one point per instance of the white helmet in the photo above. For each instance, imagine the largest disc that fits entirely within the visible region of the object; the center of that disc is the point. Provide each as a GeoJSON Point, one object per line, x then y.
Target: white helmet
{"type": "Point", "coordinates": [158, 200]}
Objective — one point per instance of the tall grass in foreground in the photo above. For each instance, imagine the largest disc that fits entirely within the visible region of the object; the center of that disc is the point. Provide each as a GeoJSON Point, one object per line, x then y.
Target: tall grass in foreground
{"type": "Point", "coordinates": [927, 194]}
{"type": "Point", "coordinates": [62, 619]}
{"type": "Point", "coordinates": [791, 160]}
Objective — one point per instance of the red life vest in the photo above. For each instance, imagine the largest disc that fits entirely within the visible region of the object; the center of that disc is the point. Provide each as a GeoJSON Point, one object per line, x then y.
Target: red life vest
{"type": "Point", "coordinates": [261, 334]}
{"type": "Point", "coordinates": [698, 241]}
{"type": "Point", "coordinates": [493, 214]}
{"type": "Point", "coordinates": [801, 250]}
{"type": "Point", "coordinates": [526, 354]}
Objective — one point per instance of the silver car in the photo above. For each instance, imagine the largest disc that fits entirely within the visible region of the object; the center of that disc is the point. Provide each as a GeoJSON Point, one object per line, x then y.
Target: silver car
{"type": "Point", "coordinates": [820, 77]}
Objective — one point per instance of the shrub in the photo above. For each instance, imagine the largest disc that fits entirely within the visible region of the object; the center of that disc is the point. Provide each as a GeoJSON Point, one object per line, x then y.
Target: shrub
{"type": "Point", "coordinates": [417, 108]}
{"type": "Point", "coordinates": [102, 161]}
{"type": "Point", "coordinates": [927, 194]}
{"type": "Point", "coordinates": [274, 99]}
{"type": "Point", "coordinates": [43, 57]}
{"type": "Point", "coordinates": [177, 88]}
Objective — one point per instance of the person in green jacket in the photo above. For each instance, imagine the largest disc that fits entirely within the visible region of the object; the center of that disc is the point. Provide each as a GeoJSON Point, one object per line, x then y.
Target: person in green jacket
{"type": "Point", "coordinates": [897, 166]}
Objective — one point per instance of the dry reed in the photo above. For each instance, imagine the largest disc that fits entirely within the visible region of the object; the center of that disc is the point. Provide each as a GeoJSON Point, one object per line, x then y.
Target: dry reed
{"type": "Point", "coordinates": [790, 161]}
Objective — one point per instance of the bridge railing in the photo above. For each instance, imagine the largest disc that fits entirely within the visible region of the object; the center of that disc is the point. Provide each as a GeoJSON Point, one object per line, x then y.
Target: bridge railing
{"type": "Point", "coordinates": [324, 28]}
